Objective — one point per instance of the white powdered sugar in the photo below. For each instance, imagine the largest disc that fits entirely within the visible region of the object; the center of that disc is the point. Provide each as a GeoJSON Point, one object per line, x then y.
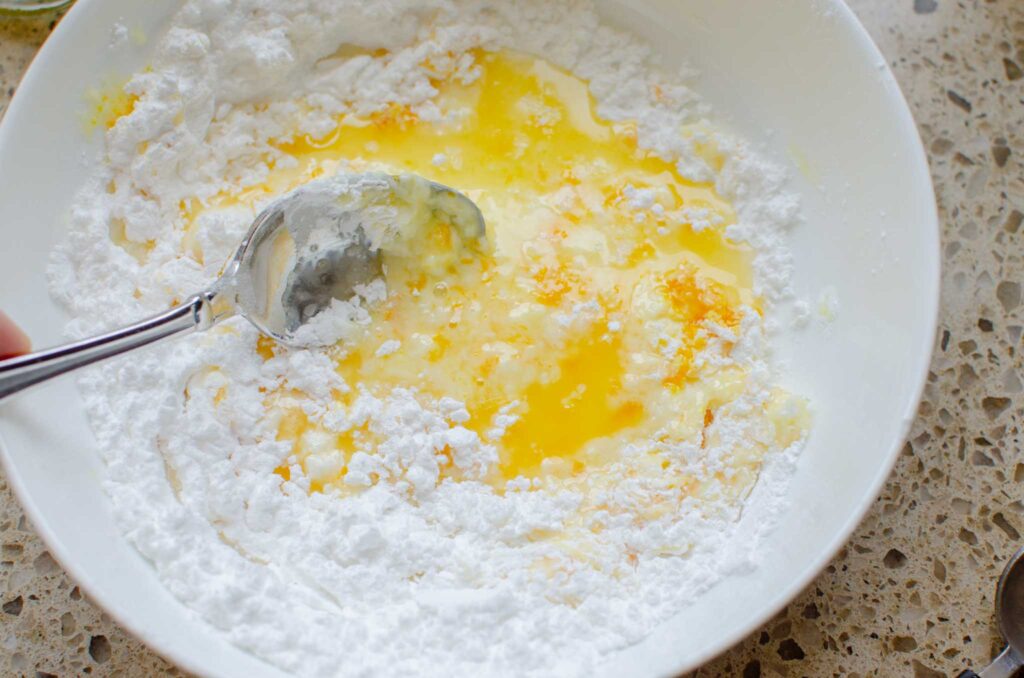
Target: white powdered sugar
{"type": "Point", "coordinates": [338, 320]}
{"type": "Point", "coordinates": [420, 575]}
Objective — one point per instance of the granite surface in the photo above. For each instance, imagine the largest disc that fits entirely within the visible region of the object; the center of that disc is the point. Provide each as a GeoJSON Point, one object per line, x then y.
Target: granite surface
{"type": "Point", "coordinates": [911, 594]}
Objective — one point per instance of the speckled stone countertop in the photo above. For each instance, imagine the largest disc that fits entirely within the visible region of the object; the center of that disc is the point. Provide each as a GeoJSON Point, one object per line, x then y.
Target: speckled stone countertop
{"type": "Point", "coordinates": [911, 594]}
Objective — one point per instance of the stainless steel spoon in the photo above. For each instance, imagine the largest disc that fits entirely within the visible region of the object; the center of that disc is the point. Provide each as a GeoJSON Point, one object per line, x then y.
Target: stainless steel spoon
{"type": "Point", "coordinates": [1010, 615]}
{"type": "Point", "coordinates": [316, 244]}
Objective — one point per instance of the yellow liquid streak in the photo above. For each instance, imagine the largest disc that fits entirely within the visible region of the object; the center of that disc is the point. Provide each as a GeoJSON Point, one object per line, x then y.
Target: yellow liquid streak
{"type": "Point", "coordinates": [565, 414]}
{"type": "Point", "coordinates": [512, 148]}
{"type": "Point", "coordinates": [530, 131]}
{"type": "Point", "coordinates": [107, 104]}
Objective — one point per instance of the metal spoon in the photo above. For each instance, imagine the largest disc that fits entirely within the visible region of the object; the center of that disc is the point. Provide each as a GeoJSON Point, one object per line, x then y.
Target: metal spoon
{"type": "Point", "coordinates": [1010, 614]}
{"type": "Point", "coordinates": [316, 244]}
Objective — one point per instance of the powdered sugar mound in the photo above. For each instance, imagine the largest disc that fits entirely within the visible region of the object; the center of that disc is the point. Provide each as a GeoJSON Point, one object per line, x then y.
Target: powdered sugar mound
{"type": "Point", "coordinates": [429, 571]}
{"type": "Point", "coordinates": [766, 210]}
{"type": "Point", "coordinates": [342, 318]}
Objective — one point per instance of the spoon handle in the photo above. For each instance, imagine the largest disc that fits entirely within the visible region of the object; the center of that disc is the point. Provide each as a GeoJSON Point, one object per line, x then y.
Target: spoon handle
{"type": "Point", "coordinates": [1005, 665]}
{"type": "Point", "coordinates": [24, 371]}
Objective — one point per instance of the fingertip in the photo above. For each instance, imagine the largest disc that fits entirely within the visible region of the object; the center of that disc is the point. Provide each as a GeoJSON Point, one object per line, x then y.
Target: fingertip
{"type": "Point", "coordinates": [13, 341]}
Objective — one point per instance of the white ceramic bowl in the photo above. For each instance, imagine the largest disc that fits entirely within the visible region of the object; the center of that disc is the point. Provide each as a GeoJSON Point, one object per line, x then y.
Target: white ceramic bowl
{"type": "Point", "coordinates": [801, 76]}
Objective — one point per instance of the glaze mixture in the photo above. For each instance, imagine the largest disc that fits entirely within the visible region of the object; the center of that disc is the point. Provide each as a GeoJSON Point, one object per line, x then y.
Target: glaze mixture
{"type": "Point", "coordinates": [517, 461]}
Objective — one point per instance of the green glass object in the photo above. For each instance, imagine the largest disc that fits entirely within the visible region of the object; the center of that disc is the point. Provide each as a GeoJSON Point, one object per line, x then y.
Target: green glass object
{"type": "Point", "coordinates": [31, 6]}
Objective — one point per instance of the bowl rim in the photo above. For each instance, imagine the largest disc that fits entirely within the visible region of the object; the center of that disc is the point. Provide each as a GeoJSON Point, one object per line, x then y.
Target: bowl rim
{"type": "Point", "coordinates": [931, 225]}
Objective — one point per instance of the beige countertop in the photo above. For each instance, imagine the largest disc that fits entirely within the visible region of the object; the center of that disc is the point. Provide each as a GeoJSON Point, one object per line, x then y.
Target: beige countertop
{"type": "Point", "coordinates": [911, 594]}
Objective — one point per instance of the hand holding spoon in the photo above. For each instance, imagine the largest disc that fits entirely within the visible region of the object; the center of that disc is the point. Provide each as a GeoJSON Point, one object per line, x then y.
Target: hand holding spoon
{"type": "Point", "coordinates": [314, 245]}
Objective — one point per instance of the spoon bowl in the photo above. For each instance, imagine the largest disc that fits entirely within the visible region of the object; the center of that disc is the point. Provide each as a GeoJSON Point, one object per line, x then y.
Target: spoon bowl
{"type": "Point", "coordinates": [1010, 616]}
{"type": "Point", "coordinates": [324, 241]}
{"type": "Point", "coordinates": [1010, 603]}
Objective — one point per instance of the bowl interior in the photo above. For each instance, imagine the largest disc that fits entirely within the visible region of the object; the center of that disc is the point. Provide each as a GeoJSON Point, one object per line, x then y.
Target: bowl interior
{"type": "Point", "coordinates": [799, 76]}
